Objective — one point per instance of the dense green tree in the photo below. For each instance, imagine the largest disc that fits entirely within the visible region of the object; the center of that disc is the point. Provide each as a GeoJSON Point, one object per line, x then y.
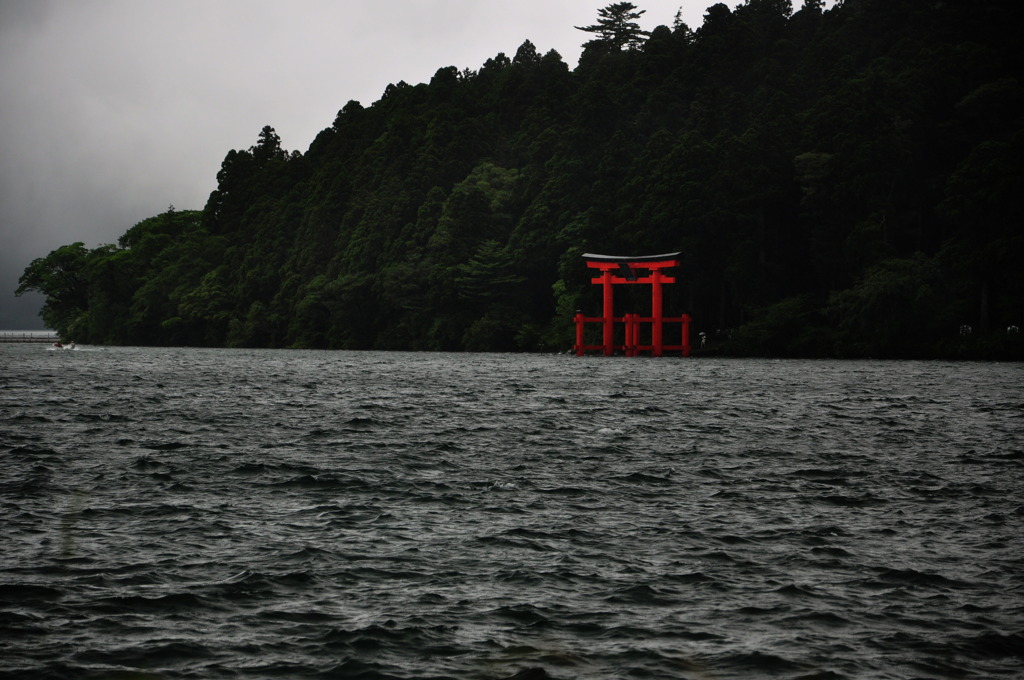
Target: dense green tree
{"type": "Point", "coordinates": [62, 277]}
{"type": "Point", "coordinates": [892, 309]}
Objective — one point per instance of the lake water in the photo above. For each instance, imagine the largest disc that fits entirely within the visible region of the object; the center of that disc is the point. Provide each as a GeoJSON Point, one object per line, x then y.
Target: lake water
{"type": "Point", "coordinates": [187, 513]}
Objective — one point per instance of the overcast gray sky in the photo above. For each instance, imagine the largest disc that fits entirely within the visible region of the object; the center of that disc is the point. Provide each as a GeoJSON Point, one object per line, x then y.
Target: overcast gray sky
{"type": "Point", "coordinates": [113, 110]}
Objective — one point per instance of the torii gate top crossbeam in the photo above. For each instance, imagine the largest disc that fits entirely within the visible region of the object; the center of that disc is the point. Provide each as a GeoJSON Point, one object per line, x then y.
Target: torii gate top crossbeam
{"type": "Point", "coordinates": [625, 264]}
{"type": "Point", "coordinates": [594, 257]}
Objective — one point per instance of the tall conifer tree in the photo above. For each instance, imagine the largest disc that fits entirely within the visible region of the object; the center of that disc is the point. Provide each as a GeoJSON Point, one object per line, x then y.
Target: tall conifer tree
{"type": "Point", "coordinates": [616, 26]}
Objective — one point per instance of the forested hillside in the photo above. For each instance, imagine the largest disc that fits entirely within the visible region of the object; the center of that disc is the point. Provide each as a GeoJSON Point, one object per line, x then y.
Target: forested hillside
{"type": "Point", "coordinates": [845, 182]}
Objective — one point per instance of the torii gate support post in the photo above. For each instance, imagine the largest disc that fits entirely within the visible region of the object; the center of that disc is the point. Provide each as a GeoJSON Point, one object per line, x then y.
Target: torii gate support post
{"type": "Point", "coordinates": [579, 333]}
{"type": "Point", "coordinates": [686, 335]}
{"type": "Point", "coordinates": [632, 339]}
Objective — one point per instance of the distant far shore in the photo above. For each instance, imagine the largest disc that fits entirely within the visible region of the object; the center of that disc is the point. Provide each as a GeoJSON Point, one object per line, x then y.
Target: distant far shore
{"type": "Point", "coordinates": [28, 336]}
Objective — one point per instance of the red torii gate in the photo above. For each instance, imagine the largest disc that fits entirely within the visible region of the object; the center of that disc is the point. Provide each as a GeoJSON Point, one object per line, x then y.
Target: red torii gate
{"type": "Point", "coordinates": [623, 269]}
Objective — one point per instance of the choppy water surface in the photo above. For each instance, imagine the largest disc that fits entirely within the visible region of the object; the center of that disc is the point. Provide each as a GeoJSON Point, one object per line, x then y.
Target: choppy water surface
{"type": "Point", "coordinates": [285, 514]}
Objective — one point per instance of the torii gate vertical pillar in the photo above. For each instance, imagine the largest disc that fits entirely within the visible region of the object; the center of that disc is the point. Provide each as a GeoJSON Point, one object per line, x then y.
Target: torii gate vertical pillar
{"type": "Point", "coordinates": [657, 322]}
{"type": "Point", "coordinates": [608, 336]}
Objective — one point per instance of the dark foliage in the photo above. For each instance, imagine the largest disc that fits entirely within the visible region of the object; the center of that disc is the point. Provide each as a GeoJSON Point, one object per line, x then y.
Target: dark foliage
{"type": "Point", "coordinates": [841, 183]}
